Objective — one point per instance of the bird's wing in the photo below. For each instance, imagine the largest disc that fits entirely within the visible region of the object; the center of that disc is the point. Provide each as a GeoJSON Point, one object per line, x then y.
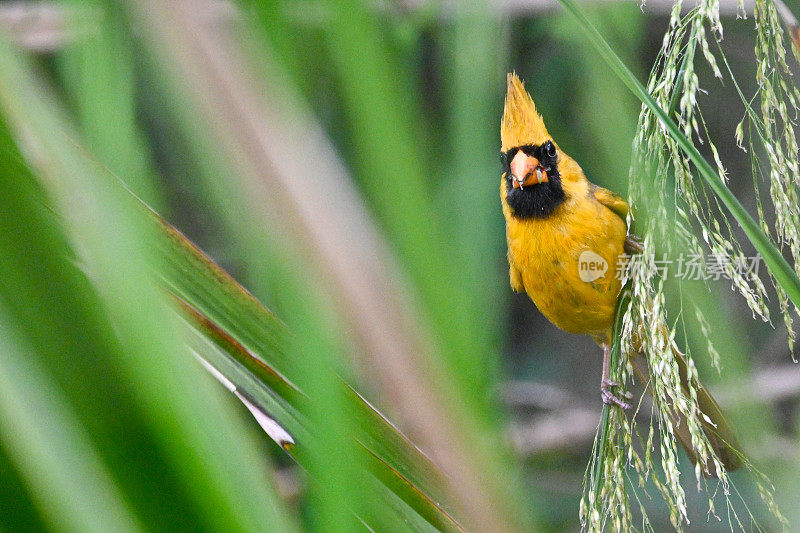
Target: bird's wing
{"type": "Point", "coordinates": [611, 200]}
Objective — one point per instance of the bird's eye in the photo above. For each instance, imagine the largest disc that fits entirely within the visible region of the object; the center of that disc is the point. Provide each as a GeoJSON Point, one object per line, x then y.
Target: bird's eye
{"type": "Point", "coordinates": [549, 149]}
{"type": "Point", "coordinates": [503, 159]}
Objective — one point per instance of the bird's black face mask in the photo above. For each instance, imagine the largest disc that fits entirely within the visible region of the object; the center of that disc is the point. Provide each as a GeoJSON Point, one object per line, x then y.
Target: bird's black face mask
{"type": "Point", "coordinates": [533, 183]}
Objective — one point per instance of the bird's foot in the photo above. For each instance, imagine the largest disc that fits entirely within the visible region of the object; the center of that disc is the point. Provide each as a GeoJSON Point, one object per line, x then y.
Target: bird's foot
{"type": "Point", "coordinates": [633, 244]}
{"type": "Point", "coordinates": [610, 398]}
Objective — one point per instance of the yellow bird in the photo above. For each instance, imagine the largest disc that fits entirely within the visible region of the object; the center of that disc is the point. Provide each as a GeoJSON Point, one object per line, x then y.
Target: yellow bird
{"type": "Point", "coordinates": [565, 236]}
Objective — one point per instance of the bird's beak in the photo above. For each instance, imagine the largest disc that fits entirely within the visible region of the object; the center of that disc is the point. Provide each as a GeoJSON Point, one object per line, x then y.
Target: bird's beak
{"type": "Point", "coordinates": [526, 170]}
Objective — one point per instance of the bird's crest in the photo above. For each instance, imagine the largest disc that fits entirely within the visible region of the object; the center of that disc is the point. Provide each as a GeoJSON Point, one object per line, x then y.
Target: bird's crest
{"type": "Point", "coordinates": [521, 123]}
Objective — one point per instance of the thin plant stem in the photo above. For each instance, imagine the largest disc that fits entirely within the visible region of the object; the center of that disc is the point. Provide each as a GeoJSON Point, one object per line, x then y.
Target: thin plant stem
{"type": "Point", "coordinates": [605, 419]}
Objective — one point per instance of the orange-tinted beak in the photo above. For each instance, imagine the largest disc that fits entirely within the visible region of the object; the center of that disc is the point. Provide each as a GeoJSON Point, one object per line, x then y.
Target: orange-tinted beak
{"type": "Point", "coordinates": [525, 170]}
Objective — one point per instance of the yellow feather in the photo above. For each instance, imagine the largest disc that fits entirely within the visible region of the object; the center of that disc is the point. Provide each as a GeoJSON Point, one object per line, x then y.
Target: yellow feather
{"type": "Point", "coordinates": [544, 253]}
{"type": "Point", "coordinates": [544, 256]}
{"type": "Point", "coordinates": [521, 123]}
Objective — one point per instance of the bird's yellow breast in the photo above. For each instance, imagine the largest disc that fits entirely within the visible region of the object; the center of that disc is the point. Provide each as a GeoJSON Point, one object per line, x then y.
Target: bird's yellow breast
{"type": "Point", "coordinates": [567, 262]}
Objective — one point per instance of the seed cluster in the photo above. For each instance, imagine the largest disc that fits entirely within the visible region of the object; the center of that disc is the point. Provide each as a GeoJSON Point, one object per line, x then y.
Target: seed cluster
{"type": "Point", "coordinates": [684, 217]}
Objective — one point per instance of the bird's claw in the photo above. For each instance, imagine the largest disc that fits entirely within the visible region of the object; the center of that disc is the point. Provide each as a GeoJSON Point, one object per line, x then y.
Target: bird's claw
{"type": "Point", "coordinates": [633, 244]}
{"type": "Point", "coordinates": [610, 398]}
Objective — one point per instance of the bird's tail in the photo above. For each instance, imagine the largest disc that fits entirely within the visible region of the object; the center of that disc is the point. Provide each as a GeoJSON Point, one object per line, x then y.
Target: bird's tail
{"type": "Point", "coordinates": [719, 431]}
